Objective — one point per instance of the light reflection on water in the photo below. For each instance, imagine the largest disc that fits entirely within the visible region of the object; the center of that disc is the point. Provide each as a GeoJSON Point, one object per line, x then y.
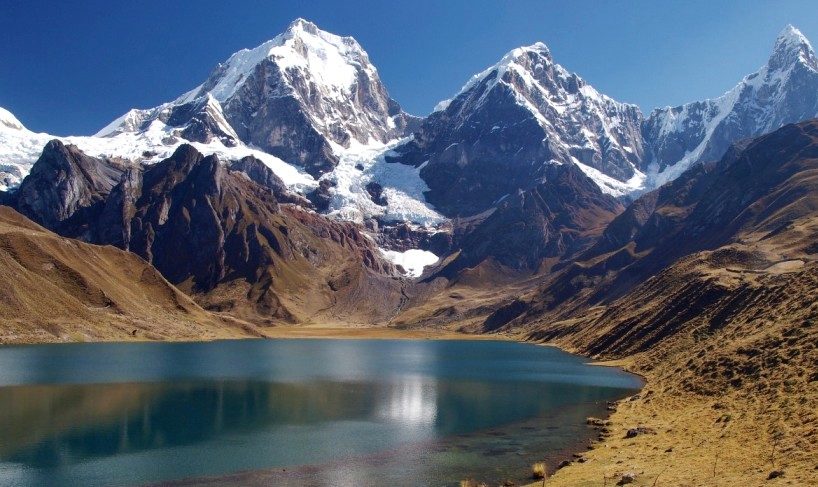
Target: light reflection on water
{"type": "Point", "coordinates": [412, 403]}
{"type": "Point", "coordinates": [356, 412]}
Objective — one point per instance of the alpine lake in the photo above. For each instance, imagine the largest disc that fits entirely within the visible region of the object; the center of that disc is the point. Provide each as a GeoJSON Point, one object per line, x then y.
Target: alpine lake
{"type": "Point", "coordinates": [296, 412]}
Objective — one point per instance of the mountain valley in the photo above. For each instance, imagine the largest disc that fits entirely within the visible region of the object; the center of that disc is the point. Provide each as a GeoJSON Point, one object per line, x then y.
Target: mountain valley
{"type": "Point", "coordinates": [290, 190]}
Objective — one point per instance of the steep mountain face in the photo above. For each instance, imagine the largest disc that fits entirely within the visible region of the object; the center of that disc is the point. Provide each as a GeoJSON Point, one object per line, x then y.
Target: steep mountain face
{"type": "Point", "coordinates": [781, 92]}
{"type": "Point", "coordinates": [713, 327]}
{"type": "Point", "coordinates": [758, 202]}
{"type": "Point", "coordinates": [509, 122]}
{"type": "Point", "coordinates": [63, 181]}
{"type": "Point", "coordinates": [760, 187]}
{"type": "Point", "coordinates": [57, 289]}
{"type": "Point", "coordinates": [560, 216]}
{"type": "Point", "coordinates": [302, 96]}
{"type": "Point", "coordinates": [311, 106]}
{"type": "Point", "coordinates": [219, 235]}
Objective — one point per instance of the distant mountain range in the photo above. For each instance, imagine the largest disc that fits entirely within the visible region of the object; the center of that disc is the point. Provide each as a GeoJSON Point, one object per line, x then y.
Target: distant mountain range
{"type": "Point", "coordinates": [524, 167]}
{"type": "Point", "coordinates": [311, 106]}
{"type": "Point", "coordinates": [290, 189]}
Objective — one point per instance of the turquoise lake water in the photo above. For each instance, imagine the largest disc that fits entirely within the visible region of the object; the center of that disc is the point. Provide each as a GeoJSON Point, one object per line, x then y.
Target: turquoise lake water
{"type": "Point", "coordinates": [293, 412]}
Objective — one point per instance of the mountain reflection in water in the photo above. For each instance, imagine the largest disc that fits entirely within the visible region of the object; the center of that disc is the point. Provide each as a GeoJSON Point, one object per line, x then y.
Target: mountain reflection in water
{"type": "Point", "coordinates": [262, 413]}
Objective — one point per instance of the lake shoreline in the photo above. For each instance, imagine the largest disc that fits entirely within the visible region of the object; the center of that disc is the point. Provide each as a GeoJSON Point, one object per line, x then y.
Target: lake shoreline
{"type": "Point", "coordinates": [521, 470]}
{"type": "Point", "coordinates": [387, 333]}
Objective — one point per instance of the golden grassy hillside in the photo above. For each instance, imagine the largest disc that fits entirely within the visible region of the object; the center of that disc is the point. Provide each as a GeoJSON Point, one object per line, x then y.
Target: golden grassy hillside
{"type": "Point", "coordinates": [57, 289]}
{"type": "Point", "coordinates": [728, 342]}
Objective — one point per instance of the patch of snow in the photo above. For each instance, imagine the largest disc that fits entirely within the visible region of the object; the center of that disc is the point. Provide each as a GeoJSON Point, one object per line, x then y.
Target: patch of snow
{"type": "Point", "coordinates": [130, 121]}
{"type": "Point", "coordinates": [442, 105]}
{"type": "Point", "coordinates": [613, 186]}
{"type": "Point", "coordinates": [412, 260]}
{"type": "Point", "coordinates": [8, 120]}
{"type": "Point", "coordinates": [19, 149]}
{"type": "Point", "coordinates": [402, 186]}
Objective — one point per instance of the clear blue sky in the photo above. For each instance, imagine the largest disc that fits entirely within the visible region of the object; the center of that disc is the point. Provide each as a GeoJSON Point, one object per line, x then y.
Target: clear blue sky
{"type": "Point", "coordinates": [70, 67]}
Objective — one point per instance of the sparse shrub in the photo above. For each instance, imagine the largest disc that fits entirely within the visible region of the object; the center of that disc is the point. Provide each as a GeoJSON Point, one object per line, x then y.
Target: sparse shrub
{"type": "Point", "coordinates": [538, 470]}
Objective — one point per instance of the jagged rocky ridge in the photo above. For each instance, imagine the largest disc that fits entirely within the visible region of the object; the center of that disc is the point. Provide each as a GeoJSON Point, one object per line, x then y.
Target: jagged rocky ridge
{"type": "Point", "coordinates": [312, 99]}
{"type": "Point", "coordinates": [217, 234]}
{"type": "Point", "coordinates": [753, 208]}
{"type": "Point", "coordinates": [307, 95]}
{"type": "Point", "coordinates": [299, 96]}
{"type": "Point", "coordinates": [783, 91]}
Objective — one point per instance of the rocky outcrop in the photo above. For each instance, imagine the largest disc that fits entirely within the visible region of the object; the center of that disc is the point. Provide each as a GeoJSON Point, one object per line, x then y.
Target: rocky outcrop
{"type": "Point", "coordinates": [259, 173]}
{"type": "Point", "coordinates": [63, 182]}
{"type": "Point", "coordinates": [217, 234]}
{"type": "Point", "coordinates": [321, 196]}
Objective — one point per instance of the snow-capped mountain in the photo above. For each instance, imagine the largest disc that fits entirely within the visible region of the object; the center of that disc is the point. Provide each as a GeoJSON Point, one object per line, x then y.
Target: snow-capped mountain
{"type": "Point", "coordinates": [783, 91]}
{"type": "Point", "coordinates": [309, 105]}
{"type": "Point", "coordinates": [510, 121]}
{"type": "Point", "coordinates": [304, 96]}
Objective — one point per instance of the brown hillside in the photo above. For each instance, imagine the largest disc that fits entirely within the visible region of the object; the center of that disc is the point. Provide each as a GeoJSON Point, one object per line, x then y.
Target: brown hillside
{"type": "Point", "coordinates": [58, 289]}
{"type": "Point", "coordinates": [727, 337]}
{"type": "Point", "coordinates": [229, 235]}
{"type": "Point", "coordinates": [730, 352]}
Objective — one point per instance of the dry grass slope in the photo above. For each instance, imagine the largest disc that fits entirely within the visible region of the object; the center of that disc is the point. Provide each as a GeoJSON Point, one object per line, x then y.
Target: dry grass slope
{"type": "Point", "coordinates": [58, 289]}
{"type": "Point", "coordinates": [732, 378]}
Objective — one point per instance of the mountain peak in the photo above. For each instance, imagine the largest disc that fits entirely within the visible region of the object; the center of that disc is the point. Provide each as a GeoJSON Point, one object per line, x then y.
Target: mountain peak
{"type": "Point", "coordinates": [537, 49]}
{"type": "Point", "coordinates": [791, 35]}
{"type": "Point", "coordinates": [303, 25]}
{"type": "Point", "coordinates": [791, 46]}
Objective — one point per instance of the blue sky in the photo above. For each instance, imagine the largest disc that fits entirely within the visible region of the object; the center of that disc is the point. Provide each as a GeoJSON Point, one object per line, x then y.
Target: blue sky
{"type": "Point", "coordinates": [70, 67]}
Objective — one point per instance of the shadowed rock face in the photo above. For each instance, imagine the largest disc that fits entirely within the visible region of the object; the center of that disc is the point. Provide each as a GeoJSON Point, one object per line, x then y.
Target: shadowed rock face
{"type": "Point", "coordinates": [498, 135]}
{"type": "Point", "coordinates": [63, 182]}
{"type": "Point", "coordinates": [221, 236]}
{"type": "Point", "coordinates": [761, 195]}
{"type": "Point", "coordinates": [556, 218]}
